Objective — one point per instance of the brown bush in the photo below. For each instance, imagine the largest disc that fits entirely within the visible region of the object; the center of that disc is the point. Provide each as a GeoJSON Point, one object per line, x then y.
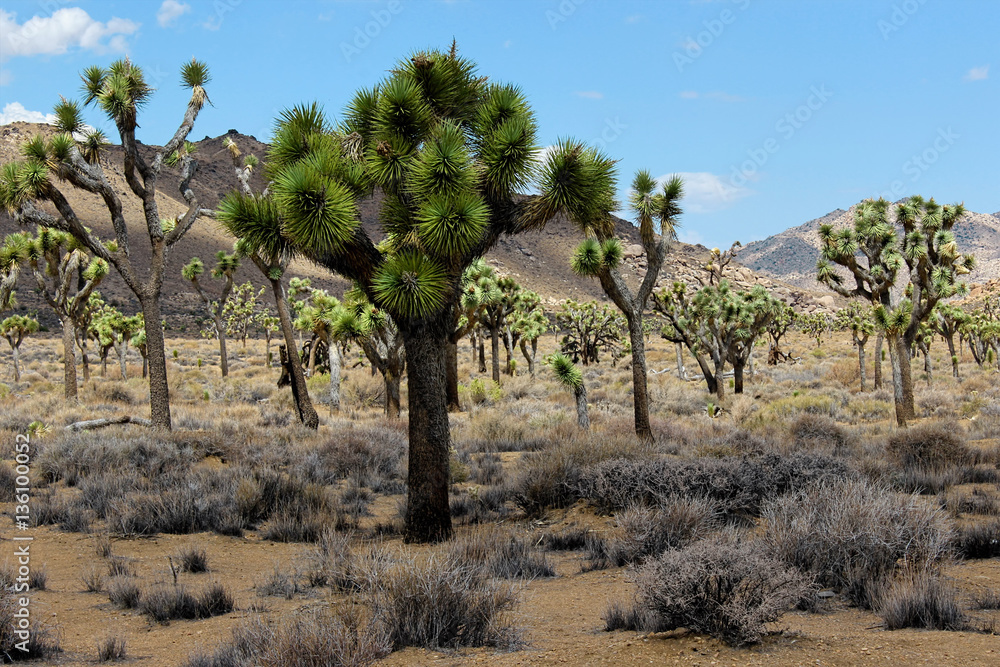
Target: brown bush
{"type": "Point", "coordinates": [929, 446]}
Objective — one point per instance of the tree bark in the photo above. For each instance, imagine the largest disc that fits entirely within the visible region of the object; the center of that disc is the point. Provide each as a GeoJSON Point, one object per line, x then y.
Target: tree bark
{"type": "Point", "coordinates": [861, 366]}
{"type": "Point", "coordinates": [482, 355]}
{"type": "Point", "coordinates": [159, 390]}
{"type": "Point", "coordinates": [720, 382]}
{"type": "Point", "coordinates": [640, 391]}
{"type": "Point", "coordinates": [121, 348]}
{"type": "Point", "coordinates": [878, 361]}
{"type": "Point", "coordinates": [69, 358]}
{"type": "Point", "coordinates": [428, 515]}
{"type": "Point", "coordinates": [582, 416]}
{"type": "Point", "coordinates": [681, 374]}
{"type": "Point", "coordinates": [902, 381]}
{"type": "Point", "coordinates": [738, 376]}
{"type": "Point", "coordinates": [392, 381]}
{"type": "Point", "coordinates": [15, 352]}
{"type": "Point", "coordinates": [220, 330]}
{"type": "Point", "coordinates": [954, 356]}
{"type": "Point", "coordinates": [452, 376]}
{"type": "Point", "coordinates": [335, 358]}
{"type": "Point", "coordinates": [307, 413]}
{"type": "Point", "coordinates": [495, 351]}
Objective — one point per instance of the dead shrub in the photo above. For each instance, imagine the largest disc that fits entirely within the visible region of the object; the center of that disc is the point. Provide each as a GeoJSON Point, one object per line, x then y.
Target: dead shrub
{"type": "Point", "coordinates": [502, 553]}
{"type": "Point", "coordinates": [821, 434]}
{"type": "Point", "coordinates": [978, 540]}
{"type": "Point", "coordinates": [929, 446]}
{"type": "Point", "coordinates": [852, 535]}
{"type": "Point", "coordinates": [720, 586]}
{"type": "Point", "coordinates": [921, 599]}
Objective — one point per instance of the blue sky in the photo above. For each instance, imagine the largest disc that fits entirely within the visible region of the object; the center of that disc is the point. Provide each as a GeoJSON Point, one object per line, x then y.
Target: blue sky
{"type": "Point", "coordinates": [776, 112]}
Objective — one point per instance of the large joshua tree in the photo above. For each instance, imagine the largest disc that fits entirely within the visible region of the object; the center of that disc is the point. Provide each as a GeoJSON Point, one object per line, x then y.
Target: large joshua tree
{"type": "Point", "coordinates": [922, 261]}
{"type": "Point", "coordinates": [657, 214]}
{"type": "Point", "coordinates": [449, 154]}
{"type": "Point", "coordinates": [120, 91]}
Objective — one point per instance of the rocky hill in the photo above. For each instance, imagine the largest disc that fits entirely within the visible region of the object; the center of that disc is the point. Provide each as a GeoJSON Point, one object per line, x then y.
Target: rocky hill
{"type": "Point", "coordinates": [539, 260]}
{"type": "Point", "coordinates": [791, 255]}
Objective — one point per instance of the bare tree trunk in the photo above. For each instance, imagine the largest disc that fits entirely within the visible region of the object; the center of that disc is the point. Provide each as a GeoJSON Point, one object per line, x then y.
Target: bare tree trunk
{"type": "Point", "coordinates": [220, 331]}
{"type": "Point", "coordinates": [15, 352]}
{"type": "Point", "coordinates": [878, 361]}
{"type": "Point", "coordinates": [640, 391]}
{"type": "Point", "coordinates": [495, 351]}
{"type": "Point", "coordinates": [312, 355]}
{"type": "Point", "coordinates": [681, 373]}
{"type": "Point", "coordinates": [861, 365]}
{"type": "Point", "coordinates": [720, 382]}
{"type": "Point", "coordinates": [81, 342]}
{"type": "Point", "coordinates": [902, 381]}
{"type": "Point", "coordinates": [927, 365]}
{"type": "Point", "coordinates": [452, 375]}
{"type": "Point", "coordinates": [954, 356]}
{"type": "Point", "coordinates": [159, 390]}
{"type": "Point", "coordinates": [121, 348]}
{"type": "Point", "coordinates": [482, 355]}
{"type": "Point", "coordinates": [307, 413]}
{"type": "Point", "coordinates": [528, 356]}
{"type": "Point", "coordinates": [335, 358]}
{"type": "Point", "coordinates": [69, 358]}
{"type": "Point", "coordinates": [582, 416]}
{"type": "Point", "coordinates": [738, 376]}
{"type": "Point", "coordinates": [428, 515]}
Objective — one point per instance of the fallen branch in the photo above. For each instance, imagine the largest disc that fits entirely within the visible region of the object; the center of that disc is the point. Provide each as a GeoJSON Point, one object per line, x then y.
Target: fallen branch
{"type": "Point", "coordinates": [91, 424]}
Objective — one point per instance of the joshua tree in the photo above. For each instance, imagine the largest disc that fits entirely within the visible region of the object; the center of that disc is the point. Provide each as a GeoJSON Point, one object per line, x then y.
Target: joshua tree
{"type": "Point", "coordinates": [568, 374]}
{"type": "Point", "coordinates": [12, 254]}
{"type": "Point", "coordinates": [947, 320]}
{"type": "Point", "coordinates": [361, 322]}
{"type": "Point", "coordinates": [253, 219]}
{"type": "Point", "coordinates": [225, 268]}
{"type": "Point", "coordinates": [112, 329]}
{"type": "Point", "coordinates": [449, 154]}
{"type": "Point", "coordinates": [589, 328]}
{"type": "Point", "coordinates": [815, 325]}
{"type": "Point", "coordinates": [528, 324]}
{"type": "Point", "coordinates": [684, 326]}
{"type": "Point", "coordinates": [139, 343]}
{"type": "Point", "coordinates": [776, 329]}
{"type": "Point", "coordinates": [241, 311]}
{"type": "Point", "coordinates": [857, 319]}
{"type": "Point", "coordinates": [269, 324]}
{"type": "Point", "coordinates": [479, 288]}
{"type": "Point", "coordinates": [66, 277]}
{"type": "Point", "coordinates": [885, 247]}
{"type": "Point", "coordinates": [657, 214]}
{"type": "Point", "coordinates": [14, 329]}
{"type": "Point", "coordinates": [120, 90]}
{"type": "Point", "coordinates": [495, 315]}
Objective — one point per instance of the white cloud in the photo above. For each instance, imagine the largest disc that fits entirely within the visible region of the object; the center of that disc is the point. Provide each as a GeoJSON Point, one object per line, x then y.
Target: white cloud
{"type": "Point", "coordinates": [977, 74]}
{"type": "Point", "coordinates": [66, 28]}
{"type": "Point", "coordinates": [170, 11]}
{"type": "Point", "coordinates": [590, 94]}
{"type": "Point", "coordinates": [15, 111]}
{"type": "Point", "coordinates": [705, 192]}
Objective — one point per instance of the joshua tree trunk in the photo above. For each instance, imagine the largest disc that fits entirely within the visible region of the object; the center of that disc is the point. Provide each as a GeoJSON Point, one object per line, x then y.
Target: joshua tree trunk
{"type": "Point", "coordinates": [495, 351]}
{"type": "Point", "coordinates": [81, 342]}
{"type": "Point", "coordinates": [159, 392]}
{"type": "Point", "coordinates": [121, 348]}
{"type": "Point", "coordinates": [902, 380]}
{"type": "Point", "coordinates": [582, 416]}
{"type": "Point", "coordinates": [17, 368]}
{"type": "Point", "coordinates": [335, 357]}
{"type": "Point", "coordinates": [878, 361]}
{"type": "Point", "coordinates": [508, 346]}
{"type": "Point", "coordinates": [529, 356]}
{"type": "Point", "coordinates": [312, 355]}
{"type": "Point", "coordinates": [392, 380]}
{"type": "Point", "coordinates": [720, 382]}
{"type": "Point", "coordinates": [307, 414]}
{"type": "Point", "coordinates": [220, 331]}
{"type": "Point", "coordinates": [861, 366]}
{"type": "Point", "coordinates": [954, 355]}
{"type": "Point", "coordinates": [681, 374]}
{"type": "Point", "coordinates": [927, 365]}
{"type": "Point", "coordinates": [738, 376]}
{"type": "Point", "coordinates": [428, 516]}
{"type": "Point", "coordinates": [640, 390]}
{"type": "Point", "coordinates": [482, 355]}
{"type": "Point", "coordinates": [452, 375]}
{"type": "Point", "coordinates": [69, 358]}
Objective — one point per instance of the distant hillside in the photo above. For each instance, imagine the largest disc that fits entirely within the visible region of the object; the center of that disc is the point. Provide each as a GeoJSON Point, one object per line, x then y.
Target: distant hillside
{"type": "Point", "coordinates": [539, 260]}
{"type": "Point", "coordinates": [792, 254]}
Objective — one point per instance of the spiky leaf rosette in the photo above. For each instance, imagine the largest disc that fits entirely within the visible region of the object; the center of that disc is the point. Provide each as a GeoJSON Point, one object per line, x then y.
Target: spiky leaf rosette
{"type": "Point", "coordinates": [97, 270]}
{"type": "Point", "coordinates": [587, 258]}
{"type": "Point", "coordinates": [565, 370]}
{"type": "Point", "coordinates": [69, 119]}
{"type": "Point", "coordinates": [579, 180]}
{"type": "Point", "coordinates": [256, 222]}
{"type": "Point", "coordinates": [319, 214]}
{"type": "Point", "coordinates": [410, 284]}
{"type": "Point", "coordinates": [450, 225]}
{"type": "Point", "coordinates": [507, 144]}
{"type": "Point", "coordinates": [444, 166]}
{"type": "Point", "coordinates": [193, 269]}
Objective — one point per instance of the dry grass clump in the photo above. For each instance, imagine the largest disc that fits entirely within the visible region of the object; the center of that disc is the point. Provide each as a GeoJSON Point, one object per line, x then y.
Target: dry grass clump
{"type": "Point", "coordinates": [371, 455]}
{"type": "Point", "coordinates": [929, 447]}
{"type": "Point", "coordinates": [721, 586]}
{"type": "Point", "coordinates": [39, 642]}
{"type": "Point", "coordinates": [852, 535]}
{"type": "Point", "coordinates": [921, 599]}
{"type": "Point", "coordinates": [342, 636]}
{"type": "Point", "coordinates": [73, 456]}
{"type": "Point", "coordinates": [739, 485]}
{"type": "Point", "coordinates": [641, 531]}
{"type": "Point", "coordinates": [111, 649]}
{"type": "Point", "coordinates": [978, 540]}
{"type": "Point", "coordinates": [820, 434]}
{"type": "Point", "coordinates": [435, 603]}
{"type": "Point", "coordinates": [500, 552]}
{"type": "Point", "coordinates": [168, 603]}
